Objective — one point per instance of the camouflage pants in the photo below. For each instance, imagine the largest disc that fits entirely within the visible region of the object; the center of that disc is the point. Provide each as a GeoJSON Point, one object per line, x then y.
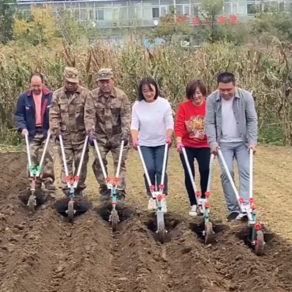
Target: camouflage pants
{"type": "Point", "coordinates": [98, 171]}
{"type": "Point", "coordinates": [47, 175]}
{"type": "Point", "coordinates": [73, 154]}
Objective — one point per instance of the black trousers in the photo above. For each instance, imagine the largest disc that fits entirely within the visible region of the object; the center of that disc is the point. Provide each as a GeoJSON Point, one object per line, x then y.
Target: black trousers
{"type": "Point", "coordinates": [202, 155]}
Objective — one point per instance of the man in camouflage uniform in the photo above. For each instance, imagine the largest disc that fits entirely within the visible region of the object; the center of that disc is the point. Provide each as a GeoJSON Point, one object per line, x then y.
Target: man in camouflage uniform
{"type": "Point", "coordinates": [67, 120]}
{"type": "Point", "coordinates": [32, 119]}
{"type": "Point", "coordinates": [107, 119]}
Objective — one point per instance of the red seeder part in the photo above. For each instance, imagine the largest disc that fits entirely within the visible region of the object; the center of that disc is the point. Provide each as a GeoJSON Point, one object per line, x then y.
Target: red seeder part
{"type": "Point", "coordinates": [207, 205]}
{"type": "Point", "coordinates": [152, 188]}
{"type": "Point", "coordinates": [251, 200]}
{"type": "Point", "coordinates": [198, 193]}
{"type": "Point", "coordinates": [257, 226]}
{"type": "Point", "coordinates": [207, 194]}
{"type": "Point", "coordinates": [116, 179]}
{"type": "Point", "coordinates": [253, 207]}
{"type": "Point", "coordinates": [70, 179]}
{"type": "Point", "coordinates": [107, 179]}
{"type": "Point", "coordinates": [241, 200]}
{"type": "Point", "coordinates": [161, 187]}
{"type": "Point", "coordinates": [159, 198]}
{"type": "Point", "coordinates": [114, 203]}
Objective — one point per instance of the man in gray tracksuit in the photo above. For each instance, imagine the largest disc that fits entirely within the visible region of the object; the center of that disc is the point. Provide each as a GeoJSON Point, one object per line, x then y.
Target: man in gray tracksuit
{"type": "Point", "coordinates": [231, 126]}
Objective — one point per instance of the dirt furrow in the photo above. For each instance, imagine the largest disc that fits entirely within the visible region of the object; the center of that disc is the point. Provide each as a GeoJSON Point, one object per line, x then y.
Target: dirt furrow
{"type": "Point", "coordinates": [41, 253]}
{"type": "Point", "coordinates": [86, 264]}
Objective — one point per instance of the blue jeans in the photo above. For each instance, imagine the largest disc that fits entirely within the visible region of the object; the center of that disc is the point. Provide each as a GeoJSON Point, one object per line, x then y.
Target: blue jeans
{"type": "Point", "coordinates": [153, 158]}
{"type": "Point", "coordinates": [238, 151]}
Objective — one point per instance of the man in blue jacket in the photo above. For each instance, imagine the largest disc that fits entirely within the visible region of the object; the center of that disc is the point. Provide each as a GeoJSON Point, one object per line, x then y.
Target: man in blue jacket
{"type": "Point", "coordinates": [32, 119]}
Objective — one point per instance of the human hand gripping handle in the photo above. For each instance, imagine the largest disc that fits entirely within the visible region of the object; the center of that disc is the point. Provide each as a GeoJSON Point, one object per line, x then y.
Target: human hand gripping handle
{"type": "Point", "coordinates": [214, 149]}
{"type": "Point", "coordinates": [24, 132]}
{"type": "Point", "coordinates": [179, 146]}
{"type": "Point", "coordinates": [125, 138]}
{"type": "Point", "coordinates": [91, 138]}
{"type": "Point", "coordinates": [168, 141]}
{"type": "Point", "coordinates": [135, 143]}
{"type": "Point", "coordinates": [58, 133]}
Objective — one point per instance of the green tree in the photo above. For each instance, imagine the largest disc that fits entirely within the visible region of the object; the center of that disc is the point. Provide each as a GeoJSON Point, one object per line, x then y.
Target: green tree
{"type": "Point", "coordinates": [170, 26]}
{"type": "Point", "coordinates": [7, 8]}
{"type": "Point", "coordinates": [209, 12]}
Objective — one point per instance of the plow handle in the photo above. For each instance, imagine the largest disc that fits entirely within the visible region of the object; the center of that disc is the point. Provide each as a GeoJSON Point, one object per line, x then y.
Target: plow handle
{"type": "Point", "coordinates": [210, 172]}
{"type": "Point", "coordinates": [81, 160]}
{"type": "Point", "coordinates": [164, 164]}
{"type": "Point", "coordinates": [144, 167]}
{"type": "Point", "coordinates": [100, 159]}
{"type": "Point", "coordinates": [120, 159]}
{"type": "Point", "coordinates": [82, 156]}
{"type": "Point", "coordinates": [189, 169]}
{"type": "Point", "coordinates": [28, 150]}
{"type": "Point", "coordinates": [64, 158]}
{"type": "Point", "coordinates": [250, 173]}
{"type": "Point", "coordinates": [230, 178]}
{"type": "Point", "coordinates": [45, 148]}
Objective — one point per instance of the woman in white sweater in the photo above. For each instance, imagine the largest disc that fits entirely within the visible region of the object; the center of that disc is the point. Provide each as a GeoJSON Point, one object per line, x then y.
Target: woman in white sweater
{"type": "Point", "coordinates": [152, 126]}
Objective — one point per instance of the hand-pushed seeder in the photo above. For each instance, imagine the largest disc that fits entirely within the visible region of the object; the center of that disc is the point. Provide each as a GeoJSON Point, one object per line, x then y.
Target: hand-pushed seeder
{"type": "Point", "coordinates": [69, 207]}
{"type": "Point", "coordinates": [203, 206]}
{"type": "Point", "coordinates": [112, 185]}
{"type": "Point", "coordinates": [255, 236]}
{"type": "Point", "coordinates": [35, 172]}
{"type": "Point", "coordinates": [157, 195]}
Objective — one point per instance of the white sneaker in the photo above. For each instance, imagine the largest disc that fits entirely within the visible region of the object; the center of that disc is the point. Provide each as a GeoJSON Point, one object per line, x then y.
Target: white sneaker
{"type": "Point", "coordinates": [193, 211]}
{"type": "Point", "coordinates": [151, 204]}
{"type": "Point", "coordinates": [163, 205]}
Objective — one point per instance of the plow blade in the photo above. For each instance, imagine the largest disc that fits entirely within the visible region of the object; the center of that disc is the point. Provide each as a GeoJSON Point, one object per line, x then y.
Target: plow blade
{"type": "Point", "coordinates": [81, 206]}
{"type": "Point", "coordinates": [105, 208]}
{"type": "Point", "coordinates": [268, 235]}
{"type": "Point", "coordinates": [200, 229]}
{"type": "Point", "coordinates": [40, 196]}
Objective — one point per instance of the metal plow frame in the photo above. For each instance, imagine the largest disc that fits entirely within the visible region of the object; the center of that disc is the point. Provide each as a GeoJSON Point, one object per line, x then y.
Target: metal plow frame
{"type": "Point", "coordinates": [112, 185]}
{"type": "Point", "coordinates": [203, 205]}
{"type": "Point", "coordinates": [72, 182]}
{"type": "Point", "coordinates": [157, 195]}
{"type": "Point", "coordinates": [255, 236]}
{"type": "Point", "coordinates": [34, 171]}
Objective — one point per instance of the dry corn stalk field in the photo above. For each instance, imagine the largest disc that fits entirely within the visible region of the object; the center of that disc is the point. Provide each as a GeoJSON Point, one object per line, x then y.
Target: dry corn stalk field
{"type": "Point", "coordinates": [266, 72]}
{"type": "Point", "coordinates": [42, 253]}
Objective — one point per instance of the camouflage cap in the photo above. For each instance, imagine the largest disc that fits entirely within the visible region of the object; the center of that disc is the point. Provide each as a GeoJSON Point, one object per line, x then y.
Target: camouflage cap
{"type": "Point", "coordinates": [71, 74]}
{"type": "Point", "coordinates": [105, 74]}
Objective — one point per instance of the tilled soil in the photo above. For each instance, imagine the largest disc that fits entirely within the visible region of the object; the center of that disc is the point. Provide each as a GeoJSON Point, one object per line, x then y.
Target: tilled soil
{"type": "Point", "coordinates": [41, 253]}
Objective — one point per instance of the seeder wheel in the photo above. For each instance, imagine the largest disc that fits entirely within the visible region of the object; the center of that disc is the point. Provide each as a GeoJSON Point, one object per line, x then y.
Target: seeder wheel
{"type": "Point", "coordinates": [161, 231]}
{"type": "Point", "coordinates": [209, 234]}
{"type": "Point", "coordinates": [259, 246]}
{"type": "Point", "coordinates": [114, 220]}
{"type": "Point", "coordinates": [31, 203]}
{"type": "Point", "coordinates": [70, 211]}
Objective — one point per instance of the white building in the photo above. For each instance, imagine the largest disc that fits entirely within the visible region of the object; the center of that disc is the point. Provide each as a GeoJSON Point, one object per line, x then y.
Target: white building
{"type": "Point", "coordinates": [143, 13]}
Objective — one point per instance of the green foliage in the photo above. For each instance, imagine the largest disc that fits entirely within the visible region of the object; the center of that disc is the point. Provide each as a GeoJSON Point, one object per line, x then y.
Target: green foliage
{"type": "Point", "coordinates": [272, 23]}
{"type": "Point", "coordinates": [7, 8]}
{"type": "Point", "coordinates": [168, 28]}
